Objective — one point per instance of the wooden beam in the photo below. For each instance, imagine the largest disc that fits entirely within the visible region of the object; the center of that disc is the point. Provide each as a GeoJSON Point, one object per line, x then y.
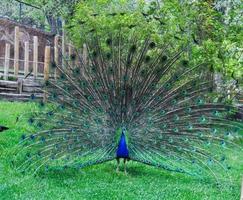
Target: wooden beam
{"type": "Point", "coordinates": [6, 62]}
{"type": "Point", "coordinates": [46, 68]}
{"type": "Point", "coordinates": [63, 44]}
{"type": "Point", "coordinates": [16, 51]}
{"type": "Point", "coordinates": [26, 58]}
{"type": "Point", "coordinates": [35, 57]}
{"type": "Point", "coordinates": [56, 54]}
{"type": "Point", "coordinates": [47, 62]}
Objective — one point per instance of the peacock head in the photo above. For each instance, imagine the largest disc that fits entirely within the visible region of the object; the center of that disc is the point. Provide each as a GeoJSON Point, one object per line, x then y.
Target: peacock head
{"type": "Point", "coordinates": [123, 130]}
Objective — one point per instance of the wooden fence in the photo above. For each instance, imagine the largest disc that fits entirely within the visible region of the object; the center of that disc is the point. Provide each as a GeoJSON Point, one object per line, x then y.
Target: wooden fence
{"type": "Point", "coordinates": [39, 69]}
{"type": "Point", "coordinates": [20, 78]}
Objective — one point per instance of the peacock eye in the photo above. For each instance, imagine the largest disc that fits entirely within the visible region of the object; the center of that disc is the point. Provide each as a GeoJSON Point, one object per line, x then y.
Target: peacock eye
{"type": "Point", "coordinates": [109, 41]}
{"type": "Point", "coordinates": [147, 59]}
{"type": "Point", "coordinates": [23, 137]}
{"type": "Point", "coordinates": [164, 58]}
{"type": "Point", "coordinates": [108, 55]}
{"type": "Point", "coordinates": [133, 48]}
{"type": "Point", "coordinates": [53, 65]}
{"type": "Point", "coordinates": [185, 63]}
{"type": "Point", "coordinates": [152, 45]}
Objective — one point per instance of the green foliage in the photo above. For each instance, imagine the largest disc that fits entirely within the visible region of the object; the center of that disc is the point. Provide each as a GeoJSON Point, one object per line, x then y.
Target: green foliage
{"type": "Point", "coordinates": [54, 7]}
{"type": "Point", "coordinates": [27, 14]}
{"type": "Point", "coordinates": [195, 25]}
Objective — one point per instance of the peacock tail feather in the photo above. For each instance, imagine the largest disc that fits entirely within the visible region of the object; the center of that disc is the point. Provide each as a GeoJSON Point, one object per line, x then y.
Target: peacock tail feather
{"type": "Point", "coordinates": [166, 104]}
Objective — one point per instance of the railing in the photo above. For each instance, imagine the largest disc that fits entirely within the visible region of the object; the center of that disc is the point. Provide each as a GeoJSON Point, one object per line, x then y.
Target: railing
{"type": "Point", "coordinates": [12, 68]}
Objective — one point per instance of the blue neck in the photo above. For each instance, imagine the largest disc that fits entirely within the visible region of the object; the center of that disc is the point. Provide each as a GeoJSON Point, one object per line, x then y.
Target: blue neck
{"type": "Point", "coordinates": [122, 150]}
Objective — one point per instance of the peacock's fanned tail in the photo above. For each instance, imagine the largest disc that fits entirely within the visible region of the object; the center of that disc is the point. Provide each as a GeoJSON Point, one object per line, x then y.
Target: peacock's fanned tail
{"type": "Point", "coordinates": [165, 102]}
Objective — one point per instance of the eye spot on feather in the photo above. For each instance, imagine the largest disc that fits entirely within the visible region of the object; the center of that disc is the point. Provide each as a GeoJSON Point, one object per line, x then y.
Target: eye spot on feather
{"type": "Point", "coordinates": [109, 41]}
{"type": "Point", "coordinates": [23, 137]}
{"type": "Point", "coordinates": [39, 125]}
{"type": "Point", "coordinates": [73, 56]}
{"type": "Point", "coordinates": [223, 158]}
{"type": "Point", "coordinates": [50, 113]}
{"type": "Point", "coordinates": [28, 155]}
{"type": "Point", "coordinates": [32, 137]}
{"type": "Point", "coordinates": [54, 65]}
{"type": "Point", "coordinates": [214, 130]}
{"type": "Point", "coordinates": [189, 110]}
{"type": "Point", "coordinates": [164, 58]}
{"type": "Point", "coordinates": [176, 130]}
{"type": "Point", "coordinates": [43, 139]}
{"type": "Point", "coordinates": [184, 92]}
{"type": "Point", "coordinates": [111, 70]}
{"type": "Point", "coordinates": [210, 161]}
{"type": "Point", "coordinates": [61, 106]}
{"type": "Point", "coordinates": [147, 59]}
{"type": "Point", "coordinates": [190, 126]}
{"type": "Point", "coordinates": [31, 121]}
{"type": "Point", "coordinates": [97, 84]}
{"type": "Point", "coordinates": [222, 143]}
{"type": "Point", "coordinates": [94, 54]}
{"type": "Point", "coordinates": [199, 101]}
{"type": "Point", "coordinates": [133, 48]}
{"type": "Point", "coordinates": [77, 71]}
{"type": "Point", "coordinates": [83, 84]}
{"type": "Point", "coordinates": [185, 63]}
{"type": "Point", "coordinates": [202, 119]}
{"type": "Point", "coordinates": [152, 45]}
{"type": "Point", "coordinates": [174, 102]}
{"type": "Point", "coordinates": [62, 76]}
{"type": "Point", "coordinates": [108, 56]}
{"type": "Point", "coordinates": [143, 72]}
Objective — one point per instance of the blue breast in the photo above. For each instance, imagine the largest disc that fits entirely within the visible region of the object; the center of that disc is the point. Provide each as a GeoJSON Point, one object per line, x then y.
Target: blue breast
{"type": "Point", "coordinates": [122, 150]}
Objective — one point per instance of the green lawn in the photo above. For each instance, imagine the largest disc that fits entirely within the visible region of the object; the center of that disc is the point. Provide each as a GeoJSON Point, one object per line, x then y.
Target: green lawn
{"type": "Point", "coordinates": [101, 181]}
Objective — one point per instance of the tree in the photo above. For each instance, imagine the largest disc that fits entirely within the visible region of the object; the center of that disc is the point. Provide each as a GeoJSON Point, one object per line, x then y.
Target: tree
{"type": "Point", "coordinates": [54, 10]}
{"type": "Point", "coordinates": [38, 12]}
{"type": "Point", "coordinates": [198, 26]}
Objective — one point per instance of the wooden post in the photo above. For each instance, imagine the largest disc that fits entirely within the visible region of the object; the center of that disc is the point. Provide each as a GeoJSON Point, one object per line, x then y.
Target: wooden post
{"type": "Point", "coordinates": [16, 51]}
{"type": "Point", "coordinates": [56, 54]}
{"type": "Point", "coordinates": [46, 67]}
{"type": "Point", "coordinates": [6, 62]}
{"type": "Point", "coordinates": [47, 62]}
{"type": "Point", "coordinates": [26, 58]}
{"type": "Point", "coordinates": [20, 86]}
{"type": "Point", "coordinates": [35, 57]}
{"type": "Point", "coordinates": [63, 44]}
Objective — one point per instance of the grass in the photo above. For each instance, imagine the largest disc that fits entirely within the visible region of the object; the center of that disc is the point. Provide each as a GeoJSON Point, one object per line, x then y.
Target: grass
{"type": "Point", "coordinates": [101, 181]}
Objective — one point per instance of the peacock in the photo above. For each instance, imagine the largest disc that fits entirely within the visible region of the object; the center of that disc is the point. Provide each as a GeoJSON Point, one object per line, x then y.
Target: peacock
{"type": "Point", "coordinates": [134, 99]}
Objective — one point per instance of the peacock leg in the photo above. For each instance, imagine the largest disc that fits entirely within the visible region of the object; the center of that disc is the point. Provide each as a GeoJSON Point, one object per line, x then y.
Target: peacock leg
{"type": "Point", "coordinates": [118, 162]}
{"type": "Point", "coordinates": [125, 170]}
